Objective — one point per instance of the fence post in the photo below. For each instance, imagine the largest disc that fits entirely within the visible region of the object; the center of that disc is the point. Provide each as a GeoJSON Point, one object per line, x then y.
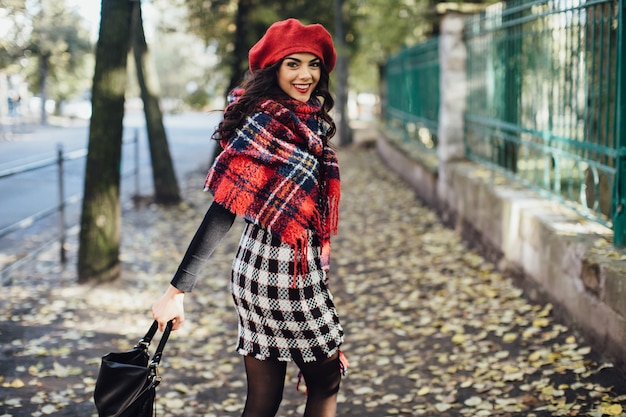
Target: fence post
{"type": "Point", "coordinates": [453, 86]}
{"type": "Point", "coordinates": [62, 225]}
{"type": "Point", "coordinates": [619, 192]}
{"type": "Point", "coordinates": [136, 163]}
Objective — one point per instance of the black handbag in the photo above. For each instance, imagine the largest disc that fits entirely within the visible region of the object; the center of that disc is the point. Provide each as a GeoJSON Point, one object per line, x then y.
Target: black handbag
{"type": "Point", "coordinates": [127, 381]}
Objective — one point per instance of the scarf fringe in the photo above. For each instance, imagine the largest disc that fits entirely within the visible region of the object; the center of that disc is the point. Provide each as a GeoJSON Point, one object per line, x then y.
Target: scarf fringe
{"type": "Point", "coordinates": [333, 219]}
{"type": "Point", "coordinates": [333, 191]}
{"type": "Point", "coordinates": [300, 265]}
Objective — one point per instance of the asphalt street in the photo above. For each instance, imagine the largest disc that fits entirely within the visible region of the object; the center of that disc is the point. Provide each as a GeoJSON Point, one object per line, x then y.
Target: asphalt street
{"type": "Point", "coordinates": [34, 192]}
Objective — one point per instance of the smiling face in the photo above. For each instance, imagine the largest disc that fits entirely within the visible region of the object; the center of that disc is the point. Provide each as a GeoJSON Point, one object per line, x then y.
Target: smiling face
{"type": "Point", "coordinates": [299, 74]}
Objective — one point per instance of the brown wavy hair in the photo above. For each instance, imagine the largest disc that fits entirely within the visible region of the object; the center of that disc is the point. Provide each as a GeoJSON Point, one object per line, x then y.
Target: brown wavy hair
{"type": "Point", "coordinates": [262, 85]}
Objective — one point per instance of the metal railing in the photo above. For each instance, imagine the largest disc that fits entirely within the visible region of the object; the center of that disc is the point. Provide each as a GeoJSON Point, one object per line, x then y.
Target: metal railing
{"type": "Point", "coordinates": [543, 100]}
{"type": "Point", "coordinates": [546, 100]}
{"type": "Point", "coordinates": [412, 78]}
{"type": "Point", "coordinates": [62, 202]}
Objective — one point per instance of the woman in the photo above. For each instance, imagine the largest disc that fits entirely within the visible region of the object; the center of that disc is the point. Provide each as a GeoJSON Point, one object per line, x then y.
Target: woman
{"type": "Point", "coordinates": [279, 173]}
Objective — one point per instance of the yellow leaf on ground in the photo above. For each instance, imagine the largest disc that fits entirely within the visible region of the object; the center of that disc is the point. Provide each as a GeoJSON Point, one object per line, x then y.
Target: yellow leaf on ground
{"type": "Point", "coordinates": [17, 383]}
{"type": "Point", "coordinates": [509, 337]}
{"type": "Point", "coordinates": [612, 410]}
{"type": "Point", "coordinates": [473, 401]}
{"type": "Point", "coordinates": [541, 322]}
{"type": "Point", "coordinates": [441, 407]}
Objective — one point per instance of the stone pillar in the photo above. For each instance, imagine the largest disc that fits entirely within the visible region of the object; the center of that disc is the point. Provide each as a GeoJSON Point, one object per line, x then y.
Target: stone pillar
{"type": "Point", "coordinates": [453, 91]}
{"type": "Point", "coordinates": [453, 87]}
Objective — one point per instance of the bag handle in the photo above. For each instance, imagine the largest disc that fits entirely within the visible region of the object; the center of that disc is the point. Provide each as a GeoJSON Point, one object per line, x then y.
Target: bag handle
{"type": "Point", "coordinates": [148, 337]}
{"type": "Point", "coordinates": [156, 359]}
{"type": "Point", "coordinates": [145, 341]}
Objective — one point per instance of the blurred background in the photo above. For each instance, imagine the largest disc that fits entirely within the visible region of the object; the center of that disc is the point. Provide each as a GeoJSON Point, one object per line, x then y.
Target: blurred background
{"type": "Point", "coordinates": [198, 48]}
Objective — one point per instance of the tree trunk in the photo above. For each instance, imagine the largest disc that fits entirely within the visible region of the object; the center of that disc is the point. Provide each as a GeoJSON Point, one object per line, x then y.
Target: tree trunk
{"type": "Point", "coordinates": [343, 125]}
{"type": "Point", "coordinates": [166, 189]}
{"type": "Point", "coordinates": [99, 240]}
{"type": "Point", "coordinates": [240, 51]}
{"type": "Point", "coordinates": [43, 88]}
{"type": "Point", "coordinates": [238, 67]}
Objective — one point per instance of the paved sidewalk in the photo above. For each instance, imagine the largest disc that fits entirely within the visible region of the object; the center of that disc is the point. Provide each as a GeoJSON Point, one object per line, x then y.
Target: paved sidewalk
{"type": "Point", "coordinates": [432, 329]}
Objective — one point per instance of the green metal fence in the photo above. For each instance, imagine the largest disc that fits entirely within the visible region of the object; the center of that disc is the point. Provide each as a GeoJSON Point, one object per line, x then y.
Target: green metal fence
{"type": "Point", "coordinates": [412, 78]}
{"type": "Point", "coordinates": [546, 100]}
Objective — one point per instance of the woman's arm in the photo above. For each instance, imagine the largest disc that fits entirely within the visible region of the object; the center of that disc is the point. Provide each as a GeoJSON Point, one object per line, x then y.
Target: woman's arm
{"type": "Point", "coordinates": [216, 223]}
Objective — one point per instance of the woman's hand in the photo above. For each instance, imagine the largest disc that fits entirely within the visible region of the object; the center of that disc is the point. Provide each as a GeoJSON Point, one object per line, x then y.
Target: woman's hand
{"type": "Point", "coordinates": [169, 307]}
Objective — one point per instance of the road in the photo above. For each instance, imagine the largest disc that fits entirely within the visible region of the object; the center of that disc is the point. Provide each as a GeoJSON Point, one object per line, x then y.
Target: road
{"type": "Point", "coordinates": [26, 194]}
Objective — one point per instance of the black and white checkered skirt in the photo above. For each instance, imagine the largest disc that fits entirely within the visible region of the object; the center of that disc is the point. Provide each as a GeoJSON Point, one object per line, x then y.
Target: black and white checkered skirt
{"type": "Point", "coordinates": [278, 320]}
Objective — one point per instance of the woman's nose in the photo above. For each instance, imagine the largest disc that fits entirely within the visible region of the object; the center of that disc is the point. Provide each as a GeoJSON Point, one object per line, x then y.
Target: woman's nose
{"type": "Point", "coordinates": [304, 73]}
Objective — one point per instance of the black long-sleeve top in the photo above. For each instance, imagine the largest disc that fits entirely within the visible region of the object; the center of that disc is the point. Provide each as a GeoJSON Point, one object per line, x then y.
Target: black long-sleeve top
{"type": "Point", "coordinates": [216, 223]}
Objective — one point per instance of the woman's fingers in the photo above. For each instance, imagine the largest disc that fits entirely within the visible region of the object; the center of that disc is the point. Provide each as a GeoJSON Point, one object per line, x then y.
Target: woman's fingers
{"type": "Point", "coordinates": [169, 307]}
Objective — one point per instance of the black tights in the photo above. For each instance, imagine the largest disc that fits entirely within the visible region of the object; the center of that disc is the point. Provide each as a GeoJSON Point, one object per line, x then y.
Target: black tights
{"type": "Point", "coordinates": [266, 381]}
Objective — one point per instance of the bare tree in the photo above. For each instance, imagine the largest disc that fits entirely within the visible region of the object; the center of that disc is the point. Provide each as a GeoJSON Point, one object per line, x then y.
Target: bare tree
{"type": "Point", "coordinates": [166, 189]}
{"type": "Point", "coordinates": [99, 240]}
{"type": "Point", "coordinates": [343, 127]}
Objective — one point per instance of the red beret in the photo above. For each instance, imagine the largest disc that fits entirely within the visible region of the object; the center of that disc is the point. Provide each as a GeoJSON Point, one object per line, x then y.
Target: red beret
{"type": "Point", "coordinates": [289, 37]}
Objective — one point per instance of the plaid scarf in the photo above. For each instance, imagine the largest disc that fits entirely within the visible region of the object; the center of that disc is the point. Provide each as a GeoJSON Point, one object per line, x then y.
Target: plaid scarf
{"type": "Point", "coordinates": [276, 173]}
